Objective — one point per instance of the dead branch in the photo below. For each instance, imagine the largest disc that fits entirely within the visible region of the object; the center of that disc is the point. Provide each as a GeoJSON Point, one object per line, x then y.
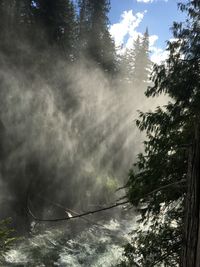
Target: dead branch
{"type": "Point", "coordinates": [121, 188]}
{"type": "Point", "coordinates": [99, 210]}
{"type": "Point", "coordinates": [69, 210]}
{"type": "Point", "coordinates": [76, 216]}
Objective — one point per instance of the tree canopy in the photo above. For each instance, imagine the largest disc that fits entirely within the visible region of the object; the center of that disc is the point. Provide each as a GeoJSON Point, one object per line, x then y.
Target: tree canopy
{"type": "Point", "coordinates": [160, 182]}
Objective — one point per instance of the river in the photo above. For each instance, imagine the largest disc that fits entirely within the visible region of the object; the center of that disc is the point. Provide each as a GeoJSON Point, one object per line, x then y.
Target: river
{"type": "Point", "coordinates": [74, 243]}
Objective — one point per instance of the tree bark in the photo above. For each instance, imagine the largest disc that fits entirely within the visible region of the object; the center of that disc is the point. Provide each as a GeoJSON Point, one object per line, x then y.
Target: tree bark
{"type": "Point", "coordinates": [191, 246]}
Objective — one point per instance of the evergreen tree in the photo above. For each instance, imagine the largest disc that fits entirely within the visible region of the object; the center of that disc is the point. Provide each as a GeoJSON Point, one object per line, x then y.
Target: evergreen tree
{"type": "Point", "coordinates": [164, 183]}
{"type": "Point", "coordinates": [56, 25]}
{"type": "Point", "coordinates": [84, 25]}
{"type": "Point", "coordinates": [127, 61]}
{"type": "Point", "coordinates": [135, 63]}
{"type": "Point", "coordinates": [15, 28]}
{"type": "Point", "coordinates": [142, 61]}
{"type": "Point", "coordinates": [95, 39]}
{"type": "Point", "coordinates": [8, 20]}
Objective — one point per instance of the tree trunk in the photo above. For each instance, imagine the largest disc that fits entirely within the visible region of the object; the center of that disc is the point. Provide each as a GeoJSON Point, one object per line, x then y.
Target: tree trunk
{"type": "Point", "coordinates": [191, 247]}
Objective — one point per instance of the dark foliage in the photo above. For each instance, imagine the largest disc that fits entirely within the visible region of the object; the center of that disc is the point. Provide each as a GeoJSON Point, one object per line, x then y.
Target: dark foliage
{"type": "Point", "coordinates": [157, 182]}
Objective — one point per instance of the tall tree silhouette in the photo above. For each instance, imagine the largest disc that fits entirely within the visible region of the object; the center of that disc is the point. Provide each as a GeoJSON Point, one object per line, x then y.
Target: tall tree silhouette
{"type": "Point", "coordinates": [135, 63]}
{"type": "Point", "coordinates": [164, 183]}
{"type": "Point", "coordinates": [56, 24]}
{"type": "Point", "coordinates": [95, 39]}
{"type": "Point", "coordinates": [142, 61]}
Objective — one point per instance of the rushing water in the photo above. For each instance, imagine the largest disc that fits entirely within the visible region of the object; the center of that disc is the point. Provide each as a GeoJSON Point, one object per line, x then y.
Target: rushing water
{"type": "Point", "coordinates": [97, 245]}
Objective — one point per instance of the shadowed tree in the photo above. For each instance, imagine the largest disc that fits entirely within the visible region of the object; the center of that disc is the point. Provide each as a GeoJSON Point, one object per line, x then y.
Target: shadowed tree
{"type": "Point", "coordinates": [95, 39]}
{"type": "Point", "coordinates": [56, 26]}
{"type": "Point", "coordinates": [135, 63]}
{"type": "Point", "coordinates": [164, 184]}
{"type": "Point", "coordinates": [142, 61]}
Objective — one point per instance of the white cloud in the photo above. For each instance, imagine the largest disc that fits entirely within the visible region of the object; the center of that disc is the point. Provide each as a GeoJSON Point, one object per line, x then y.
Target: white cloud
{"type": "Point", "coordinates": [126, 27]}
{"type": "Point", "coordinates": [152, 40]}
{"type": "Point", "coordinates": [125, 33]}
{"type": "Point", "coordinates": [158, 55]}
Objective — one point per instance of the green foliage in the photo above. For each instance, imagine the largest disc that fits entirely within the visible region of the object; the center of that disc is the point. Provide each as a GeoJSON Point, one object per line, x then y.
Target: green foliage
{"type": "Point", "coordinates": [107, 187]}
{"type": "Point", "coordinates": [103, 189]}
{"type": "Point", "coordinates": [156, 241]}
{"type": "Point", "coordinates": [157, 182]}
{"type": "Point", "coordinates": [6, 236]}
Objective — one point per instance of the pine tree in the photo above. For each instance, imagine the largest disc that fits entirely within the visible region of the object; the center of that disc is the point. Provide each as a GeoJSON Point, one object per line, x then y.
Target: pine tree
{"type": "Point", "coordinates": [127, 65]}
{"type": "Point", "coordinates": [84, 25]}
{"type": "Point", "coordinates": [7, 17]}
{"type": "Point", "coordinates": [164, 183]}
{"type": "Point", "coordinates": [127, 61]}
{"type": "Point", "coordinates": [95, 39]}
{"type": "Point", "coordinates": [135, 63]}
{"type": "Point", "coordinates": [15, 27]}
{"type": "Point", "coordinates": [56, 25]}
{"type": "Point", "coordinates": [142, 61]}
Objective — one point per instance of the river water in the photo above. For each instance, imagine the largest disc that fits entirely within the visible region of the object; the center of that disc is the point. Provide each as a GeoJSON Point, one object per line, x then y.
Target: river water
{"type": "Point", "coordinates": [73, 244]}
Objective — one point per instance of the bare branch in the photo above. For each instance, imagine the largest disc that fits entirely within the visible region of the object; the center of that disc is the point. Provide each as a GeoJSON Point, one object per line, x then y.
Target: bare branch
{"type": "Point", "coordinates": [121, 188]}
{"type": "Point", "coordinates": [166, 186]}
{"type": "Point", "coordinates": [98, 210]}
{"type": "Point", "coordinates": [69, 210]}
{"type": "Point", "coordinates": [76, 216]}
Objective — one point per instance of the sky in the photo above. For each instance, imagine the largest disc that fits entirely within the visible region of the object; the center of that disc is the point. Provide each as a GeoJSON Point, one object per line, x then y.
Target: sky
{"type": "Point", "coordinates": [129, 18]}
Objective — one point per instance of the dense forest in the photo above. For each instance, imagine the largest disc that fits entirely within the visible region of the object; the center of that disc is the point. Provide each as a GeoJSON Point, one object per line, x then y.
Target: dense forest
{"type": "Point", "coordinates": [67, 134]}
